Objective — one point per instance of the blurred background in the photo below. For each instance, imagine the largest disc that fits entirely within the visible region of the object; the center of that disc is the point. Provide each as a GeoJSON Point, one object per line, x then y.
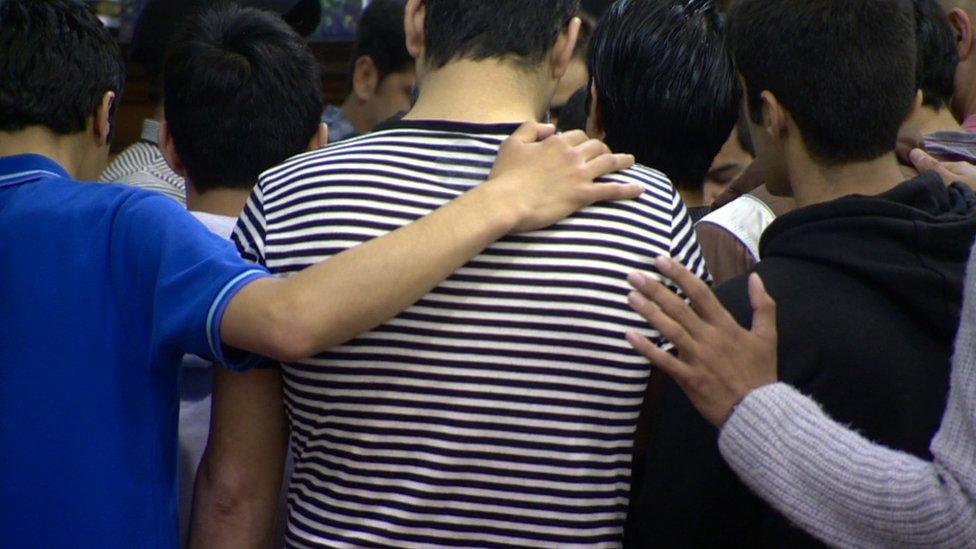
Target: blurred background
{"type": "Point", "coordinates": [331, 36]}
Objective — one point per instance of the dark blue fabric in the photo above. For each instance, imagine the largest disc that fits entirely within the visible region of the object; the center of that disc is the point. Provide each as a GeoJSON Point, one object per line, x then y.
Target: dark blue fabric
{"type": "Point", "coordinates": [103, 288]}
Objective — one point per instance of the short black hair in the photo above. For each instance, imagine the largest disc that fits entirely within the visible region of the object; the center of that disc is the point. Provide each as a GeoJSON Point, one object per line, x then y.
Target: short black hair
{"type": "Point", "coordinates": [57, 61]}
{"type": "Point", "coordinates": [381, 37]}
{"type": "Point", "coordinates": [243, 94]}
{"type": "Point", "coordinates": [667, 88]}
{"type": "Point", "coordinates": [305, 16]}
{"type": "Point", "coordinates": [523, 31]}
{"type": "Point", "coordinates": [842, 68]}
{"type": "Point", "coordinates": [154, 29]}
{"type": "Point", "coordinates": [937, 54]}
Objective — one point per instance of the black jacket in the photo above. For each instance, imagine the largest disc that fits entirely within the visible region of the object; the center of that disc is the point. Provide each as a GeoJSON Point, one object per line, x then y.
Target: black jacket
{"type": "Point", "coordinates": [869, 291]}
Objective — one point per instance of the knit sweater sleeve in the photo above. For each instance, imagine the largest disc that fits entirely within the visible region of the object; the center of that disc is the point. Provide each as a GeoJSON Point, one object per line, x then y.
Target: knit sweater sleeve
{"type": "Point", "coordinates": [846, 490]}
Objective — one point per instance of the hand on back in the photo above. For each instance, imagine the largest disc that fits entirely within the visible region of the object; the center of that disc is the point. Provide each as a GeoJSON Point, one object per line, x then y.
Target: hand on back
{"type": "Point", "coordinates": [543, 177]}
{"type": "Point", "coordinates": [719, 363]}
{"type": "Point", "coordinates": [950, 172]}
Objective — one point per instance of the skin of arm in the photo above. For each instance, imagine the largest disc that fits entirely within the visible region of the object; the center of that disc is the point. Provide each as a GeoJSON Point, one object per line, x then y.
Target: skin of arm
{"type": "Point", "coordinates": [236, 495]}
{"type": "Point", "coordinates": [532, 186]}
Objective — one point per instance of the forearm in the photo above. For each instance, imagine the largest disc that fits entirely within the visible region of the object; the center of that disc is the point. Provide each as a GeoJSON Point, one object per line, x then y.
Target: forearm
{"type": "Point", "coordinates": [222, 521]}
{"type": "Point", "coordinates": [837, 485]}
{"type": "Point", "coordinates": [239, 480]}
{"type": "Point", "coordinates": [355, 291]}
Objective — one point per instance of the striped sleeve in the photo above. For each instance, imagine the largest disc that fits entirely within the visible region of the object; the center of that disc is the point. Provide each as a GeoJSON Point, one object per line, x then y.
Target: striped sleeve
{"type": "Point", "coordinates": [684, 242]}
{"type": "Point", "coordinates": [251, 230]}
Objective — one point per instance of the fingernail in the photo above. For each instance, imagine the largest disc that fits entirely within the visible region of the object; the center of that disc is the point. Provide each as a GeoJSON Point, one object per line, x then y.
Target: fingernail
{"type": "Point", "coordinates": [664, 264]}
{"type": "Point", "coordinates": [636, 300]}
{"type": "Point", "coordinates": [637, 279]}
{"type": "Point", "coordinates": [915, 155]}
{"type": "Point", "coordinates": [633, 338]}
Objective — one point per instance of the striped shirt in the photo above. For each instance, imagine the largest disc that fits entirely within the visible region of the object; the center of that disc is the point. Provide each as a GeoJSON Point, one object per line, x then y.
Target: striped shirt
{"type": "Point", "coordinates": [500, 410]}
{"type": "Point", "coordinates": [142, 165]}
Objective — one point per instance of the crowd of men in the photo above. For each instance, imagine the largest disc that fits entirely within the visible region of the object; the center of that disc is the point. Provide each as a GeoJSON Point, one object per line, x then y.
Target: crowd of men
{"type": "Point", "coordinates": [425, 317]}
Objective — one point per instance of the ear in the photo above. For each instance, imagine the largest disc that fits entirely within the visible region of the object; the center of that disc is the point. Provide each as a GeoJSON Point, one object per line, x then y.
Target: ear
{"type": "Point", "coordinates": [594, 119]}
{"type": "Point", "coordinates": [917, 104]}
{"type": "Point", "coordinates": [168, 149]}
{"type": "Point", "coordinates": [562, 53]}
{"type": "Point", "coordinates": [414, 26]}
{"type": "Point", "coordinates": [103, 120]}
{"type": "Point", "coordinates": [963, 27]}
{"type": "Point", "coordinates": [320, 139]}
{"type": "Point", "coordinates": [365, 78]}
{"type": "Point", "coordinates": [774, 116]}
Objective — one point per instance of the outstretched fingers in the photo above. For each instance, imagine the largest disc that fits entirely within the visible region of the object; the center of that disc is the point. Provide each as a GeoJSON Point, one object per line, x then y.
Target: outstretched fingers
{"type": "Point", "coordinates": [700, 295]}
{"type": "Point", "coordinates": [662, 321]}
{"type": "Point", "coordinates": [670, 303]}
{"type": "Point", "coordinates": [664, 360]}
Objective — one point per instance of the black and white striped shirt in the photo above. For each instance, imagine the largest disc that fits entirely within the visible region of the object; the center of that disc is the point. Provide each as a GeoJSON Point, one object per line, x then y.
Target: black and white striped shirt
{"type": "Point", "coordinates": [142, 165]}
{"type": "Point", "coordinates": [498, 411]}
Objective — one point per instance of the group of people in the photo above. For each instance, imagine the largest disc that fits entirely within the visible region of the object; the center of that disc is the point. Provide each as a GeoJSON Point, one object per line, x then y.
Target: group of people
{"type": "Point", "coordinates": [425, 317]}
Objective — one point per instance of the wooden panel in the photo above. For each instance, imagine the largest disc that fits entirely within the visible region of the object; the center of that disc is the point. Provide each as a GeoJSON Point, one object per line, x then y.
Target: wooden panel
{"type": "Point", "coordinates": [334, 58]}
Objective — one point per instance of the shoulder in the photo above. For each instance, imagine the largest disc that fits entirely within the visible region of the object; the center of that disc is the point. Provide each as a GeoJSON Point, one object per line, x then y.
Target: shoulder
{"type": "Point", "coordinates": [336, 156]}
{"type": "Point", "coordinates": [659, 194]}
{"type": "Point", "coordinates": [745, 219]}
{"type": "Point", "coordinates": [134, 158]}
{"type": "Point", "coordinates": [652, 180]}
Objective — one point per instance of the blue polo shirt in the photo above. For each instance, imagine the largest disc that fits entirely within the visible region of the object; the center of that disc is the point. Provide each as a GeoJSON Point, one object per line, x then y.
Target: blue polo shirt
{"type": "Point", "coordinates": [103, 288]}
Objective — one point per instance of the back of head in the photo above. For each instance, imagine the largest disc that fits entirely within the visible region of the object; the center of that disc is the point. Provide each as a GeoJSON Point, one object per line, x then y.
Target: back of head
{"type": "Point", "coordinates": [158, 22]}
{"type": "Point", "coordinates": [667, 90]}
{"type": "Point", "coordinates": [843, 69]}
{"type": "Point", "coordinates": [243, 93]}
{"type": "Point", "coordinates": [57, 62]}
{"type": "Point", "coordinates": [937, 54]}
{"type": "Point", "coordinates": [381, 36]}
{"type": "Point", "coordinates": [304, 16]}
{"type": "Point", "coordinates": [521, 31]}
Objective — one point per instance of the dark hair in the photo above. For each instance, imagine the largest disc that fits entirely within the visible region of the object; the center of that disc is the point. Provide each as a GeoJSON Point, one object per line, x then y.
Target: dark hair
{"type": "Point", "coordinates": [667, 88]}
{"type": "Point", "coordinates": [842, 68]}
{"type": "Point", "coordinates": [382, 38]}
{"type": "Point", "coordinates": [242, 95]}
{"type": "Point", "coordinates": [305, 17]}
{"type": "Point", "coordinates": [57, 62]}
{"type": "Point", "coordinates": [937, 54]}
{"type": "Point", "coordinates": [521, 30]}
{"type": "Point", "coordinates": [154, 29]}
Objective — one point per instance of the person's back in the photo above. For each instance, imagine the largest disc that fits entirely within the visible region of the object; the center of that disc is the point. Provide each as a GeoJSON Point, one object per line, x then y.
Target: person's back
{"type": "Point", "coordinates": [867, 273]}
{"type": "Point", "coordinates": [501, 408]}
{"type": "Point", "coordinates": [97, 373]}
{"type": "Point", "coordinates": [104, 288]}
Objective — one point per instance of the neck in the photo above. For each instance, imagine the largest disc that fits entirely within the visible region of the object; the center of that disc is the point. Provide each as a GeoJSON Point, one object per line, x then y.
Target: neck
{"type": "Point", "coordinates": [226, 202]}
{"type": "Point", "coordinates": [927, 120]}
{"type": "Point", "coordinates": [68, 151]}
{"type": "Point", "coordinates": [814, 183]}
{"type": "Point", "coordinates": [693, 198]}
{"type": "Point", "coordinates": [159, 113]}
{"type": "Point", "coordinates": [486, 92]}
